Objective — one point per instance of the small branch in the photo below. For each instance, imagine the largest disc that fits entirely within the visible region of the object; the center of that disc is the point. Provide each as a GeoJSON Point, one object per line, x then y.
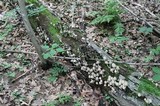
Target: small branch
{"type": "Point", "coordinates": [15, 51]}
{"type": "Point", "coordinates": [25, 73]}
{"type": "Point", "coordinates": [76, 58]}
{"type": "Point", "coordinates": [146, 9]}
{"type": "Point", "coordinates": [143, 64]}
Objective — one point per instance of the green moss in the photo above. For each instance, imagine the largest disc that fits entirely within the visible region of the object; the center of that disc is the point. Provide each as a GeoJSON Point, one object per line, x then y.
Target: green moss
{"type": "Point", "coordinates": [45, 19]}
{"type": "Point", "coordinates": [33, 22]}
{"type": "Point", "coordinates": [51, 22]}
{"type": "Point", "coordinates": [149, 87]}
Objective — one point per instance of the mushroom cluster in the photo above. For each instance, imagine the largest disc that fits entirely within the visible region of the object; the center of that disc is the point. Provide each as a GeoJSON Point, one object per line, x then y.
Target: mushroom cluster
{"type": "Point", "coordinates": [75, 60]}
{"type": "Point", "coordinates": [113, 67]}
{"type": "Point", "coordinates": [95, 73]}
{"type": "Point", "coordinates": [113, 81]}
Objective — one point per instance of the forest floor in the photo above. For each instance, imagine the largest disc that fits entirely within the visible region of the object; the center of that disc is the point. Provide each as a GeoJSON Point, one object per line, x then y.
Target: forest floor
{"type": "Point", "coordinates": [24, 83]}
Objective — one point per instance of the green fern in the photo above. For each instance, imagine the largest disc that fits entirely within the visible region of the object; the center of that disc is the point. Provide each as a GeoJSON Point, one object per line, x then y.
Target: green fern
{"type": "Point", "coordinates": [109, 14]}
{"type": "Point", "coordinates": [118, 39]}
{"type": "Point", "coordinates": [119, 29]}
{"type": "Point", "coordinates": [55, 72]}
{"type": "Point", "coordinates": [61, 100]}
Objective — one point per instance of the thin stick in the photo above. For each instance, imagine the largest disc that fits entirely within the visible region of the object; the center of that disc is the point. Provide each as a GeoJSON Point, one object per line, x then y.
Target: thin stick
{"type": "Point", "coordinates": [77, 58]}
{"type": "Point", "coordinates": [15, 51]}
{"type": "Point", "coordinates": [146, 9]}
{"type": "Point", "coordinates": [25, 73]}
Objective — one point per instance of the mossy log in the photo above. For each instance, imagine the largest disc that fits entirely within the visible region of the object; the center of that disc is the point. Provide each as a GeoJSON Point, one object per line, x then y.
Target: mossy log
{"type": "Point", "coordinates": [46, 20]}
{"type": "Point", "coordinates": [138, 87]}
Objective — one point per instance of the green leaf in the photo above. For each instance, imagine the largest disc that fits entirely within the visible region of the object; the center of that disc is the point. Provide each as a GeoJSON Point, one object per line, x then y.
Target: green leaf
{"type": "Point", "coordinates": [119, 29]}
{"type": "Point", "coordinates": [59, 50]}
{"type": "Point", "coordinates": [93, 13]}
{"type": "Point", "coordinates": [148, 58]}
{"type": "Point", "coordinates": [52, 52]}
{"type": "Point", "coordinates": [55, 45]}
{"type": "Point", "coordinates": [145, 30]}
{"type": "Point", "coordinates": [154, 52]}
{"type": "Point", "coordinates": [118, 39]}
{"type": "Point", "coordinates": [107, 18]}
{"type": "Point", "coordinates": [11, 74]}
{"type": "Point", "coordinates": [1, 37]}
{"type": "Point", "coordinates": [52, 78]}
{"type": "Point", "coordinates": [46, 55]}
{"type": "Point", "coordinates": [97, 20]}
{"type": "Point", "coordinates": [158, 48]}
{"type": "Point", "coordinates": [156, 77]}
{"type": "Point", "coordinates": [45, 47]}
{"type": "Point", "coordinates": [156, 70]}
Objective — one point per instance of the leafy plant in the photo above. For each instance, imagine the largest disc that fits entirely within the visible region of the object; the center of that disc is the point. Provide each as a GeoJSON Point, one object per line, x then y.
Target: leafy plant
{"type": "Point", "coordinates": [62, 99]}
{"type": "Point", "coordinates": [77, 103]}
{"type": "Point", "coordinates": [156, 71]}
{"type": "Point", "coordinates": [119, 29]}
{"type": "Point", "coordinates": [5, 65]}
{"type": "Point", "coordinates": [118, 39]}
{"type": "Point", "coordinates": [146, 30]}
{"type": "Point", "coordinates": [51, 51]}
{"type": "Point", "coordinates": [110, 13]}
{"type": "Point", "coordinates": [17, 95]}
{"type": "Point", "coordinates": [11, 74]}
{"type": "Point", "coordinates": [153, 52]}
{"type": "Point", "coordinates": [55, 72]}
{"type": "Point", "coordinates": [8, 27]}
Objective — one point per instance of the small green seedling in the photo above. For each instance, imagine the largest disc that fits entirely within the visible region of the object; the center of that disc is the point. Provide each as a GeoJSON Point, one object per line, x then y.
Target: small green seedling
{"type": "Point", "coordinates": [55, 72]}
{"type": "Point", "coordinates": [51, 51]}
{"type": "Point", "coordinates": [145, 30]}
{"type": "Point", "coordinates": [62, 99]}
{"type": "Point", "coordinates": [156, 71]}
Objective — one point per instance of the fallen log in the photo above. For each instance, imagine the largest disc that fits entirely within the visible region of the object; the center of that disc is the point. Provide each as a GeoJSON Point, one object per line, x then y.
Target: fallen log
{"type": "Point", "coordinates": [138, 91]}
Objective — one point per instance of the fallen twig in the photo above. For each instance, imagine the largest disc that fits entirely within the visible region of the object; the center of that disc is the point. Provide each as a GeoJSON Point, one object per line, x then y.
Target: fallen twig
{"type": "Point", "coordinates": [25, 73]}
{"type": "Point", "coordinates": [146, 9]}
{"type": "Point", "coordinates": [76, 58]}
{"type": "Point", "coordinates": [15, 51]}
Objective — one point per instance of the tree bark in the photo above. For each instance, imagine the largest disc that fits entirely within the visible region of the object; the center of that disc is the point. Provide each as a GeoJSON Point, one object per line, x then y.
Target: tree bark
{"type": "Point", "coordinates": [30, 30]}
